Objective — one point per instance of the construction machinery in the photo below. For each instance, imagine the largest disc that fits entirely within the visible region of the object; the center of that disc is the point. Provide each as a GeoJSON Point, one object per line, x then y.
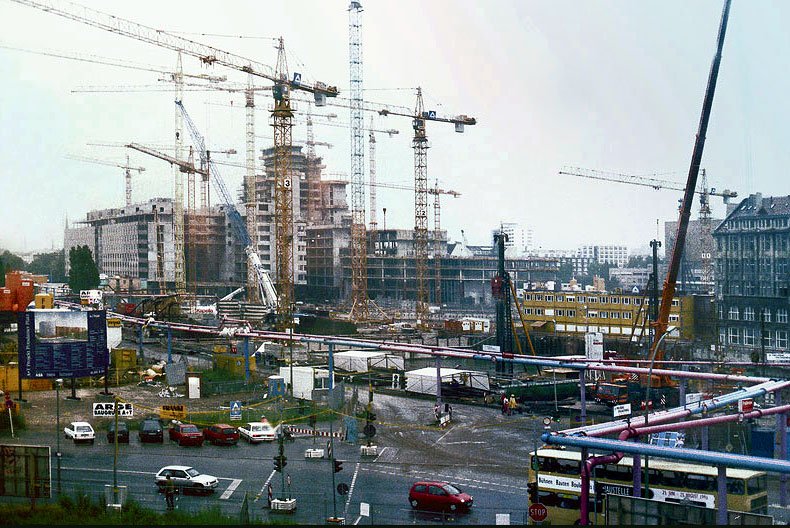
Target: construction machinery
{"type": "Point", "coordinates": [668, 291]}
{"type": "Point", "coordinates": [282, 116]}
{"type": "Point", "coordinates": [126, 167]}
{"type": "Point", "coordinates": [704, 192]}
{"type": "Point", "coordinates": [265, 287]}
{"type": "Point", "coordinates": [420, 145]}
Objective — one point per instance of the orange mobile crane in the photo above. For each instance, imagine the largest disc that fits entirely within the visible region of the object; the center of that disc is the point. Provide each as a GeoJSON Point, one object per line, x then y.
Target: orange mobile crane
{"type": "Point", "coordinates": [685, 208]}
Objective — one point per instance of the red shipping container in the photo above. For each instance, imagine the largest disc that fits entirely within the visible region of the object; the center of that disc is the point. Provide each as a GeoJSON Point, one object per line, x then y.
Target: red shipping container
{"type": "Point", "coordinates": [6, 300]}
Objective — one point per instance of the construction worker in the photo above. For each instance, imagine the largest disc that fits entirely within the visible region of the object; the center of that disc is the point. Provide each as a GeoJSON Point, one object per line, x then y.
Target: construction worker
{"type": "Point", "coordinates": [511, 405]}
{"type": "Point", "coordinates": [170, 493]}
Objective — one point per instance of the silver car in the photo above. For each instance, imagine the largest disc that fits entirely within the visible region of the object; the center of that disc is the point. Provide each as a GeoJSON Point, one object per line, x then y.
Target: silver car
{"type": "Point", "coordinates": [186, 478]}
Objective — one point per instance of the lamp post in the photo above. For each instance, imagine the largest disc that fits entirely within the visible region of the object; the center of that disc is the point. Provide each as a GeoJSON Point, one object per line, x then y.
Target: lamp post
{"type": "Point", "coordinates": [291, 347]}
{"type": "Point", "coordinates": [58, 383]}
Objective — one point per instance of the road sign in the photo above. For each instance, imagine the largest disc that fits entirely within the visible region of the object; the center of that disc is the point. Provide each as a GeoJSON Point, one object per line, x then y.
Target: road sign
{"type": "Point", "coordinates": [622, 410]}
{"type": "Point", "coordinates": [364, 509]}
{"type": "Point", "coordinates": [746, 405]}
{"type": "Point", "coordinates": [342, 488]}
{"type": "Point", "coordinates": [235, 410]}
{"type": "Point", "coordinates": [538, 512]}
{"type": "Point", "coordinates": [490, 348]}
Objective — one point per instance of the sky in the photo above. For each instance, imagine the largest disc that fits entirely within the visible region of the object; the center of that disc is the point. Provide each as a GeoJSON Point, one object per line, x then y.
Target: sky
{"type": "Point", "coordinates": [610, 85]}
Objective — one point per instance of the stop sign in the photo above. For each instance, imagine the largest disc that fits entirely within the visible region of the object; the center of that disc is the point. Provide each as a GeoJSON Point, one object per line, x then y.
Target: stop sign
{"type": "Point", "coordinates": [538, 512]}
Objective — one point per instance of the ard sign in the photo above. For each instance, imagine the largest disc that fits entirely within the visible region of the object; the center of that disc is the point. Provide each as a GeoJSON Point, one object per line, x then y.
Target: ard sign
{"type": "Point", "coordinates": [107, 410]}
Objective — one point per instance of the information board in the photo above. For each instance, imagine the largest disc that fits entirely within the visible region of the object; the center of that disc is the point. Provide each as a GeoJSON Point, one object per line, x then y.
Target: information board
{"type": "Point", "coordinates": [62, 344]}
{"type": "Point", "coordinates": [24, 471]}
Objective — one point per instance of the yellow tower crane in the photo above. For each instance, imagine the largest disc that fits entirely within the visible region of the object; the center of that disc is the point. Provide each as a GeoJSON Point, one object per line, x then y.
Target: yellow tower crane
{"type": "Point", "coordinates": [126, 167]}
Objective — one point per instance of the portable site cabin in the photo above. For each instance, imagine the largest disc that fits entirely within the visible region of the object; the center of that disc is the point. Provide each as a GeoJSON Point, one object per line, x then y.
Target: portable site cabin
{"type": "Point", "coordinates": [424, 380]}
{"type": "Point", "coordinates": [309, 383]}
{"type": "Point", "coordinates": [365, 361]}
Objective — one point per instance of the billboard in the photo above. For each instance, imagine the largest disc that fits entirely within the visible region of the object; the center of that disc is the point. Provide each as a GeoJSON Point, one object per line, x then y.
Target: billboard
{"type": "Point", "coordinates": [62, 343]}
{"type": "Point", "coordinates": [24, 471]}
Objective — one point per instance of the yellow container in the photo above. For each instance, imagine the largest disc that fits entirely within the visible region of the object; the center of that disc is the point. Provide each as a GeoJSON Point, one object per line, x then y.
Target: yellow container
{"type": "Point", "coordinates": [233, 363]}
{"type": "Point", "coordinates": [123, 358]}
{"type": "Point", "coordinates": [44, 301]}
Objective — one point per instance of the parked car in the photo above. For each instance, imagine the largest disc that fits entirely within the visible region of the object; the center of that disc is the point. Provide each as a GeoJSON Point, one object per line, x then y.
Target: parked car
{"type": "Point", "coordinates": [221, 434]}
{"type": "Point", "coordinates": [185, 434]}
{"type": "Point", "coordinates": [186, 479]}
{"type": "Point", "coordinates": [123, 432]}
{"type": "Point", "coordinates": [255, 432]}
{"type": "Point", "coordinates": [150, 431]}
{"type": "Point", "coordinates": [80, 432]}
{"type": "Point", "coordinates": [430, 495]}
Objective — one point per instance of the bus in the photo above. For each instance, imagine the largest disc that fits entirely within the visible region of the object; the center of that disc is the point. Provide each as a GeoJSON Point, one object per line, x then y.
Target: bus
{"type": "Point", "coordinates": [557, 472]}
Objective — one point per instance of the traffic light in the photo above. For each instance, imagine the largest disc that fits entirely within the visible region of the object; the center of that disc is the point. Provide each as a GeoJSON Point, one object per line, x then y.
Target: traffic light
{"type": "Point", "coordinates": [312, 421]}
{"type": "Point", "coordinates": [280, 462]}
{"type": "Point", "coordinates": [338, 465]}
{"type": "Point", "coordinates": [371, 416]}
{"type": "Point", "coordinates": [532, 490]}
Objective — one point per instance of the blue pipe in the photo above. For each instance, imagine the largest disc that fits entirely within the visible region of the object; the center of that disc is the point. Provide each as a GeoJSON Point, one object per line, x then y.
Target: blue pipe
{"type": "Point", "coordinates": [710, 458]}
{"type": "Point", "coordinates": [700, 408]}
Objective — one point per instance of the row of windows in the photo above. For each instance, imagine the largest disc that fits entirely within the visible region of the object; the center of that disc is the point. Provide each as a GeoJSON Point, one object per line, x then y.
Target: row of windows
{"type": "Point", "coordinates": [581, 299]}
{"type": "Point", "coordinates": [748, 313]}
{"type": "Point", "coordinates": [750, 337]}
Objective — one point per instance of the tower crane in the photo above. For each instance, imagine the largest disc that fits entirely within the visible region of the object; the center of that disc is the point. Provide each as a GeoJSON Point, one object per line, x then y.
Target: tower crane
{"type": "Point", "coordinates": [282, 114]}
{"type": "Point", "coordinates": [420, 146]}
{"type": "Point", "coordinates": [704, 193]}
{"type": "Point", "coordinates": [126, 167]}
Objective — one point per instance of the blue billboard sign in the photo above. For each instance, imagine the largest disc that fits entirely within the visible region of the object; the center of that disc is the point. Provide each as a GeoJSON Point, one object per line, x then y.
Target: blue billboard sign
{"type": "Point", "coordinates": [62, 344]}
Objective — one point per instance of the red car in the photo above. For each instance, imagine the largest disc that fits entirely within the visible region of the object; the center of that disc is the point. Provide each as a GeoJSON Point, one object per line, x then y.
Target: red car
{"type": "Point", "coordinates": [221, 434]}
{"type": "Point", "coordinates": [186, 434]}
{"type": "Point", "coordinates": [429, 495]}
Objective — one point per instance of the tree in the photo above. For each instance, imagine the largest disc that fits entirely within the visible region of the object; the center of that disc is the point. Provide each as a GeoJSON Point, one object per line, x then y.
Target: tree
{"type": "Point", "coordinates": [51, 264]}
{"type": "Point", "coordinates": [83, 273]}
{"type": "Point", "coordinates": [565, 274]}
{"type": "Point", "coordinates": [9, 262]}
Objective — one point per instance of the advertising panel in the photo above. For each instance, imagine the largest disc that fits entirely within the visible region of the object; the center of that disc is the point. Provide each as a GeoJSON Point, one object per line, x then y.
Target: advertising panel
{"type": "Point", "coordinates": [62, 344]}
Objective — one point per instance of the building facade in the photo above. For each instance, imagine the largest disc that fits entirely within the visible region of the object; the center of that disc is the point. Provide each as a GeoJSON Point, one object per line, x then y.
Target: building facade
{"type": "Point", "coordinates": [753, 277]}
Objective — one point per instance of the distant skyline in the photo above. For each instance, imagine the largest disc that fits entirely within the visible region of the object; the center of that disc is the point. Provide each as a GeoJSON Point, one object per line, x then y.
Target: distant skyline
{"type": "Point", "coordinates": [609, 85]}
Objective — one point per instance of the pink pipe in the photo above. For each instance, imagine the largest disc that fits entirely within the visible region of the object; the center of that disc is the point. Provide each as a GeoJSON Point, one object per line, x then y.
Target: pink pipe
{"type": "Point", "coordinates": [757, 413]}
{"type": "Point", "coordinates": [586, 471]}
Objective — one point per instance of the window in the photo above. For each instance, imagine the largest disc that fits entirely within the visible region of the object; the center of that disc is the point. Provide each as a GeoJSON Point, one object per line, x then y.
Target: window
{"type": "Point", "coordinates": [675, 302]}
{"type": "Point", "coordinates": [615, 315]}
{"type": "Point", "coordinates": [748, 314]}
{"type": "Point", "coordinates": [528, 311]}
{"type": "Point", "coordinates": [733, 315]}
{"type": "Point", "coordinates": [560, 298]}
{"type": "Point", "coordinates": [539, 297]}
{"type": "Point", "coordinates": [571, 313]}
{"type": "Point", "coordinates": [604, 315]}
{"type": "Point", "coordinates": [560, 313]}
{"type": "Point", "coordinates": [781, 315]}
{"type": "Point", "coordinates": [615, 300]}
{"type": "Point", "coordinates": [549, 298]}
{"type": "Point", "coordinates": [627, 315]}
{"type": "Point", "coordinates": [767, 315]}
{"type": "Point", "coordinates": [626, 300]}
{"type": "Point", "coordinates": [538, 311]}
{"type": "Point", "coordinates": [781, 339]}
{"type": "Point", "coordinates": [637, 302]}
{"type": "Point", "coordinates": [748, 336]}
{"type": "Point", "coordinates": [674, 318]}
{"type": "Point", "coordinates": [734, 336]}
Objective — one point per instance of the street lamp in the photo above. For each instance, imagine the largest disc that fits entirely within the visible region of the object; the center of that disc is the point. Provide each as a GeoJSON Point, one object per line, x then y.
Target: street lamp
{"type": "Point", "coordinates": [58, 383]}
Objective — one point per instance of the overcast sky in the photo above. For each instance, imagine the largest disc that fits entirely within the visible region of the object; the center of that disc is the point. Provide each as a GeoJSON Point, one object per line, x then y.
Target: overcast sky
{"type": "Point", "coordinates": [610, 85]}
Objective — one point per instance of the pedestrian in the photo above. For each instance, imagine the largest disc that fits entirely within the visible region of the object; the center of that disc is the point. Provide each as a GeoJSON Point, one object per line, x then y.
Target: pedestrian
{"type": "Point", "coordinates": [436, 410]}
{"type": "Point", "coordinates": [511, 405]}
{"type": "Point", "coordinates": [449, 411]}
{"type": "Point", "coordinates": [170, 493]}
{"type": "Point", "coordinates": [504, 404]}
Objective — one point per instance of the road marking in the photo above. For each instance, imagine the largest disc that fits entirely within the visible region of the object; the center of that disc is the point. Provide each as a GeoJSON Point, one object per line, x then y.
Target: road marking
{"type": "Point", "coordinates": [358, 519]}
{"type": "Point", "coordinates": [381, 453]}
{"type": "Point", "coordinates": [265, 484]}
{"type": "Point", "coordinates": [228, 492]}
{"type": "Point", "coordinates": [465, 442]}
{"type": "Point", "coordinates": [478, 484]}
{"type": "Point", "coordinates": [127, 471]}
{"type": "Point", "coordinates": [351, 489]}
{"type": "Point", "coordinates": [441, 437]}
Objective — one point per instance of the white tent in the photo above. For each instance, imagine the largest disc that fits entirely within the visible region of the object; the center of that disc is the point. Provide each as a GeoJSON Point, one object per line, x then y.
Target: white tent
{"type": "Point", "coordinates": [424, 380]}
{"type": "Point", "coordinates": [363, 361]}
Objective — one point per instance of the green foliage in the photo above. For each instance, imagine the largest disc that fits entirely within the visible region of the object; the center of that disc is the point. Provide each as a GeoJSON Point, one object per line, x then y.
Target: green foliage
{"type": "Point", "coordinates": [566, 271]}
{"type": "Point", "coordinates": [51, 264]}
{"type": "Point", "coordinates": [9, 262]}
{"type": "Point", "coordinates": [83, 273]}
{"type": "Point", "coordinates": [81, 510]}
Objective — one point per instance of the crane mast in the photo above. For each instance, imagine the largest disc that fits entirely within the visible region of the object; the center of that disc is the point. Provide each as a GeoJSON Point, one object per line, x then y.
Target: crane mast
{"type": "Point", "coordinates": [178, 186]}
{"type": "Point", "coordinates": [372, 177]}
{"type": "Point", "coordinates": [250, 201]}
{"type": "Point", "coordinates": [359, 269]}
{"type": "Point", "coordinates": [282, 121]}
{"type": "Point", "coordinates": [420, 146]}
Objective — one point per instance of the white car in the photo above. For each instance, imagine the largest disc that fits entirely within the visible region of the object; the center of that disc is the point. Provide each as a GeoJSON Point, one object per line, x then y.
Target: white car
{"type": "Point", "coordinates": [186, 478]}
{"type": "Point", "coordinates": [80, 432]}
{"type": "Point", "coordinates": [255, 432]}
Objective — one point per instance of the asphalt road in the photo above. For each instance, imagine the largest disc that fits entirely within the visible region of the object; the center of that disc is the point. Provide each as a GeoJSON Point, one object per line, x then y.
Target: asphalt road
{"type": "Point", "coordinates": [482, 452]}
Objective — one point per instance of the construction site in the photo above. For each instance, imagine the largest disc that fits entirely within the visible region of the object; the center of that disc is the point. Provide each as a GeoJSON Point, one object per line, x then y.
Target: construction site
{"type": "Point", "coordinates": [281, 288]}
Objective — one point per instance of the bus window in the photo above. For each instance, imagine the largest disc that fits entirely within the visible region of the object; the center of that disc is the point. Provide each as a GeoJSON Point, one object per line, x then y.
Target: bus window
{"type": "Point", "coordinates": [656, 477]}
{"type": "Point", "coordinates": [568, 502]}
{"type": "Point", "coordinates": [616, 472]}
{"type": "Point", "coordinates": [549, 465]}
{"type": "Point", "coordinates": [568, 467]}
{"type": "Point", "coordinates": [700, 482]}
{"type": "Point", "coordinates": [735, 486]}
{"type": "Point", "coordinates": [757, 484]}
{"type": "Point", "coordinates": [548, 498]}
{"type": "Point", "coordinates": [675, 479]}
